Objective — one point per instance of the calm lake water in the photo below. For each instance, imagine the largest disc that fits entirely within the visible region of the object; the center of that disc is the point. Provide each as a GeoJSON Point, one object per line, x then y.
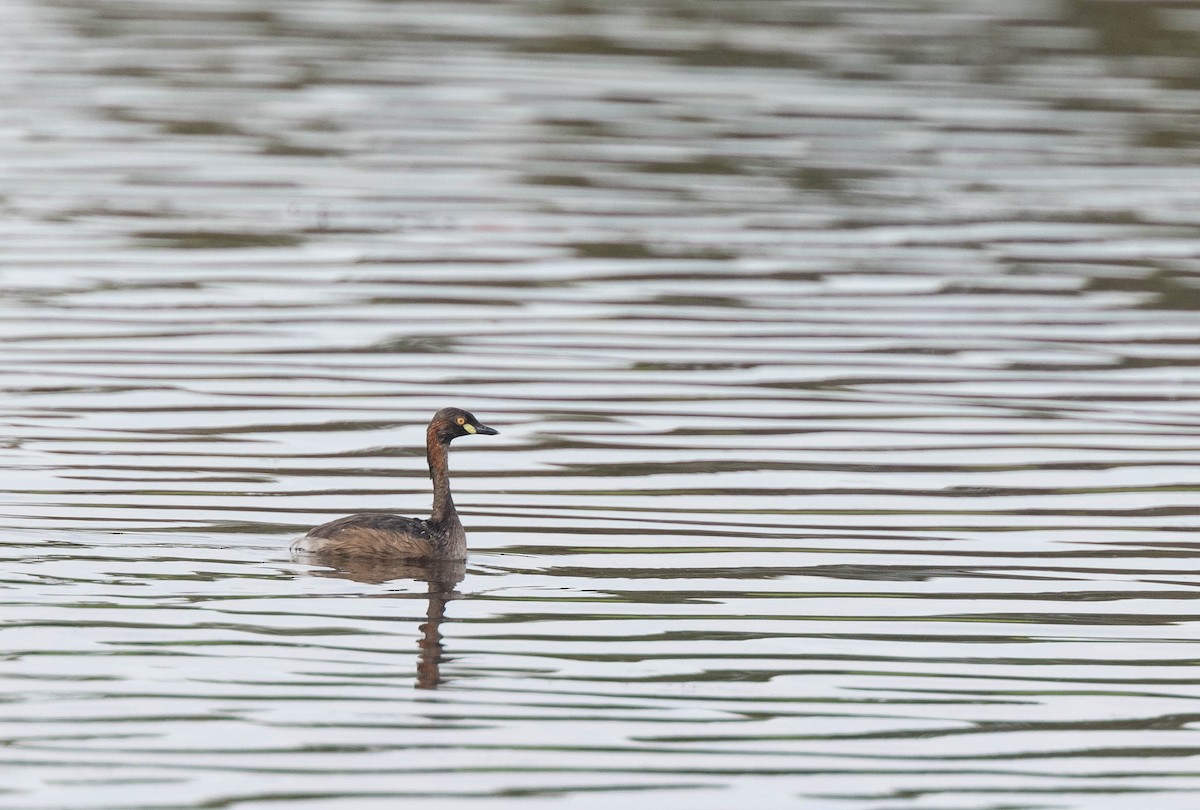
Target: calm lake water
{"type": "Point", "coordinates": [846, 358]}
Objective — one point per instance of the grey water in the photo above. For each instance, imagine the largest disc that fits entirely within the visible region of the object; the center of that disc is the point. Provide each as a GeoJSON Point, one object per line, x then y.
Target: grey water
{"type": "Point", "coordinates": [846, 359]}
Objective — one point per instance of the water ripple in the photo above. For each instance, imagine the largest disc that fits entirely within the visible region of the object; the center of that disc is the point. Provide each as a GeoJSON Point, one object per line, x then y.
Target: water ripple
{"type": "Point", "coordinates": [842, 356]}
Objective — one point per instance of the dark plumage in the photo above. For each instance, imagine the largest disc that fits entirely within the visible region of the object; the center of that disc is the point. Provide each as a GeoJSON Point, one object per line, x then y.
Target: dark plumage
{"type": "Point", "coordinates": [441, 537]}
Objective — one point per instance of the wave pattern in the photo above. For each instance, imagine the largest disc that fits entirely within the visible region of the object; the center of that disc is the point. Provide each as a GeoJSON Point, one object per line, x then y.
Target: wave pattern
{"type": "Point", "coordinates": [845, 358]}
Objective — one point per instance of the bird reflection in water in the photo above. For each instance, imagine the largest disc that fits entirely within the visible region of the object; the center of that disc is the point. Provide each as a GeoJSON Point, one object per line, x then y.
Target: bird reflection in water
{"type": "Point", "coordinates": [441, 576]}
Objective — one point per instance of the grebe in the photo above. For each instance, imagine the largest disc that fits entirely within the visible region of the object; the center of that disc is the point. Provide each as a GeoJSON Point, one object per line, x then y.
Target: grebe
{"type": "Point", "coordinates": [441, 537]}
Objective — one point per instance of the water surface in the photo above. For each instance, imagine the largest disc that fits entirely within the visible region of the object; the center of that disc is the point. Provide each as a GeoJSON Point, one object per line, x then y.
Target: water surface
{"type": "Point", "coordinates": [845, 357]}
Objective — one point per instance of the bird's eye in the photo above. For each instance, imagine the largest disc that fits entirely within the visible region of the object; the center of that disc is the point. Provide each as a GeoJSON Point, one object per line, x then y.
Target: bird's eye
{"type": "Point", "coordinates": [461, 420]}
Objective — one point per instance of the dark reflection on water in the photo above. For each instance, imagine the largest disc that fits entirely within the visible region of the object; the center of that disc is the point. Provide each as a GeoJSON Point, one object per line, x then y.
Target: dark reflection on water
{"type": "Point", "coordinates": [441, 576]}
{"type": "Point", "coordinates": [844, 352]}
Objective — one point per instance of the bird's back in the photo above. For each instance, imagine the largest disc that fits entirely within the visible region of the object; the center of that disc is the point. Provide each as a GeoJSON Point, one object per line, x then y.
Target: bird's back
{"type": "Point", "coordinates": [370, 536]}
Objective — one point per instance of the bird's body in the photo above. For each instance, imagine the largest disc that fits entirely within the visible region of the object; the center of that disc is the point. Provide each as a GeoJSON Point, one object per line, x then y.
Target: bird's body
{"type": "Point", "coordinates": [375, 535]}
{"type": "Point", "coordinates": [440, 537]}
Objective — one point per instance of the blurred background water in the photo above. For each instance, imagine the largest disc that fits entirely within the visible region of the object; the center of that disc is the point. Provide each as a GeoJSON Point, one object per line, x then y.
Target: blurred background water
{"type": "Point", "coordinates": [844, 353]}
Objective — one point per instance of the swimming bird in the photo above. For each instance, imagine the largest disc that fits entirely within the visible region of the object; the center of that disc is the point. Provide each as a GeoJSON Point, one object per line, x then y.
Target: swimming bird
{"type": "Point", "coordinates": [441, 537]}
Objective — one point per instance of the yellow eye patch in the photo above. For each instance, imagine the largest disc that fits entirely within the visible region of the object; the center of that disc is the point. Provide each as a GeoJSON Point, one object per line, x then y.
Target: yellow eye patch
{"type": "Point", "coordinates": [469, 428]}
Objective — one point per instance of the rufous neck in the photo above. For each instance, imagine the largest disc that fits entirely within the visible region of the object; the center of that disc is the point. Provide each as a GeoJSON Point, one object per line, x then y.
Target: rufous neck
{"type": "Point", "coordinates": [436, 453]}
